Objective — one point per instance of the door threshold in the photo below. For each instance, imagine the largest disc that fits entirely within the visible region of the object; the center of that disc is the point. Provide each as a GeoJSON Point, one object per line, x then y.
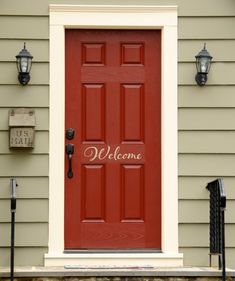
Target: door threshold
{"type": "Point", "coordinates": [87, 251]}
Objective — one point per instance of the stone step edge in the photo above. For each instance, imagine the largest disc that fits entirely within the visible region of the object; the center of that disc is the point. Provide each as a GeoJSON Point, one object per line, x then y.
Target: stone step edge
{"type": "Point", "coordinates": [155, 272]}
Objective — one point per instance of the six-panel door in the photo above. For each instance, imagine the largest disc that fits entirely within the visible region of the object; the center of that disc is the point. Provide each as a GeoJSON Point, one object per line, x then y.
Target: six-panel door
{"type": "Point", "coordinates": [113, 91]}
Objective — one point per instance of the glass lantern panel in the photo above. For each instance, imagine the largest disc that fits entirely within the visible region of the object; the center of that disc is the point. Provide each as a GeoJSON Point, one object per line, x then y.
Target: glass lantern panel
{"type": "Point", "coordinates": [18, 65]}
{"type": "Point", "coordinates": [24, 65]}
{"type": "Point", "coordinates": [29, 64]}
{"type": "Point", "coordinates": [204, 64]}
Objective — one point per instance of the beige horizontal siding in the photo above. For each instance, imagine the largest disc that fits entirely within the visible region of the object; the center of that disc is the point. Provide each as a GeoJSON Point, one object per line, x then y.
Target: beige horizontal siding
{"type": "Point", "coordinates": [209, 96]}
{"type": "Point", "coordinates": [21, 27]}
{"type": "Point", "coordinates": [24, 256]}
{"type": "Point", "coordinates": [28, 187]}
{"type": "Point", "coordinates": [26, 234]}
{"type": "Point", "coordinates": [27, 210]}
{"type": "Point", "coordinates": [195, 187]}
{"type": "Point", "coordinates": [26, 164]}
{"type": "Point", "coordinates": [221, 73]}
{"type": "Point", "coordinates": [186, 8]}
{"type": "Point", "coordinates": [206, 165]}
{"type": "Point", "coordinates": [42, 118]}
{"type": "Point", "coordinates": [41, 145]}
{"type": "Point", "coordinates": [200, 257]}
{"type": "Point", "coordinates": [194, 211]}
{"type": "Point", "coordinates": [206, 28]}
{"type": "Point", "coordinates": [19, 7]}
{"type": "Point", "coordinates": [197, 257]}
{"type": "Point", "coordinates": [18, 96]}
{"type": "Point", "coordinates": [221, 50]}
{"type": "Point", "coordinates": [206, 142]}
{"type": "Point", "coordinates": [39, 74]}
{"type": "Point", "coordinates": [38, 48]}
{"type": "Point", "coordinates": [197, 211]}
{"type": "Point", "coordinates": [207, 119]}
{"type": "Point", "coordinates": [29, 167]}
{"type": "Point", "coordinates": [187, 231]}
{"type": "Point", "coordinates": [187, 237]}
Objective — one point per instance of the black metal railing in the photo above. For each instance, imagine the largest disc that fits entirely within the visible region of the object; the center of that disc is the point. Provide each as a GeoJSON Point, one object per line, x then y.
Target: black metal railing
{"type": "Point", "coordinates": [217, 228]}
{"type": "Point", "coordinates": [13, 185]}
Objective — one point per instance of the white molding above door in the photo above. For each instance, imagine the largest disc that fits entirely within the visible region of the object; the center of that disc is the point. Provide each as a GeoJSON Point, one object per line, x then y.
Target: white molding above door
{"type": "Point", "coordinates": [114, 17]}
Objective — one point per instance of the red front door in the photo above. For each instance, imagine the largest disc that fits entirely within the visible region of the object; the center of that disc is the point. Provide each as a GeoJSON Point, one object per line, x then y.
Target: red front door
{"type": "Point", "coordinates": [113, 86]}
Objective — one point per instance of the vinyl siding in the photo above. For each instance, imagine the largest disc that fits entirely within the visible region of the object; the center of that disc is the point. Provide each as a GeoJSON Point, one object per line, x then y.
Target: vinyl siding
{"type": "Point", "coordinates": [28, 234]}
{"type": "Point", "coordinates": [29, 187]}
{"type": "Point", "coordinates": [30, 96]}
{"type": "Point", "coordinates": [206, 133]}
{"type": "Point", "coordinates": [196, 211]}
{"type": "Point", "coordinates": [206, 118]}
{"type": "Point", "coordinates": [206, 123]}
{"type": "Point", "coordinates": [29, 167]}
{"type": "Point", "coordinates": [206, 142]}
{"type": "Point", "coordinates": [187, 231]}
{"type": "Point", "coordinates": [30, 240]}
{"type": "Point", "coordinates": [193, 187]}
{"type": "Point", "coordinates": [219, 96]}
{"type": "Point", "coordinates": [39, 73]}
{"type": "Point", "coordinates": [221, 74]}
{"type": "Point", "coordinates": [223, 50]}
{"type": "Point", "coordinates": [24, 27]}
{"type": "Point", "coordinates": [39, 49]}
{"type": "Point", "coordinates": [24, 256]}
{"type": "Point", "coordinates": [28, 210]}
{"type": "Point", "coordinates": [206, 129]}
{"type": "Point", "coordinates": [206, 28]}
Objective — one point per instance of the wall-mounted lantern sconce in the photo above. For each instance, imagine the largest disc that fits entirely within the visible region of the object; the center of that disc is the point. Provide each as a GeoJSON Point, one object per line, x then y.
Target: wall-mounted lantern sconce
{"type": "Point", "coordinates": [203, 63]}
{"type": "Point", "coordinates": [24, 63]}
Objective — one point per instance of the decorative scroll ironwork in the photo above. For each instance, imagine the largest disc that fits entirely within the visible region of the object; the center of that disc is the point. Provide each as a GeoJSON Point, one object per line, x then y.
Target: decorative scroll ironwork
{"type": "Point", "coordinates": [217, 235]}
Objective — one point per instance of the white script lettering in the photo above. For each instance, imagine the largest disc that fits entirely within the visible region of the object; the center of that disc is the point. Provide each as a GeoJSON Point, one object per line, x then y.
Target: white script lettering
{"type": "Point", "coordinates": [94, 153]}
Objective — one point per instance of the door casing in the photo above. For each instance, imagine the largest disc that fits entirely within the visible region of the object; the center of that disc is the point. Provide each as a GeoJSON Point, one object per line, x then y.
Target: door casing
{"type": "Point", "coordinates": [114, 17]}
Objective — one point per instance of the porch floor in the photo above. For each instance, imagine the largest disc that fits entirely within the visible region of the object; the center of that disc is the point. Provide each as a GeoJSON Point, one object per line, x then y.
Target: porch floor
{"type": "Point", "coordinates": [27, 271]}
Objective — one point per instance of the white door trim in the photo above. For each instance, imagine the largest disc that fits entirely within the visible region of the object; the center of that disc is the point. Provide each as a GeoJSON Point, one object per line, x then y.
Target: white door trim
{"type": "Point", "coordinates": [114, 17]}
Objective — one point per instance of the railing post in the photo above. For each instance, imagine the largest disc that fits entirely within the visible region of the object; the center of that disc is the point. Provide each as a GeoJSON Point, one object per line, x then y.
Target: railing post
{"type": "Point", "coordinates": [13, 185]}
{"type": "Point", "coordinates": [222, 210]}
{"type": "Point", "coordinates": [217, 228]}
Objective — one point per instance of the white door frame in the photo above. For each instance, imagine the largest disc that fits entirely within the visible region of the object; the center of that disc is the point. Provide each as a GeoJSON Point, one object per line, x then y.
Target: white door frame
{"type": "Point", "coordinates": [114, 17]}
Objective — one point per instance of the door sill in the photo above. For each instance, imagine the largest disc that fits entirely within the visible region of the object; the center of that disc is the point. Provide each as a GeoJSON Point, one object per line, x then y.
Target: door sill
{"type": "Point", "coordinates": [109, 251]}
{"type": "Point", "coordinates": [110, 259]}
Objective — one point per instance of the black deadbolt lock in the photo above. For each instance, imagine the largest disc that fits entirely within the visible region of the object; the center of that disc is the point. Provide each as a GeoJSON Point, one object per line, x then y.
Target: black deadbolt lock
{"type": "Point", "coordinates": [70, 133]}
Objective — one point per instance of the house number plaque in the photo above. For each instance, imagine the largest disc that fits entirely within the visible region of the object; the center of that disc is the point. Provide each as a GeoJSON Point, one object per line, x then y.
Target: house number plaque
{"type": "Point", "coordinates": [21, 128]}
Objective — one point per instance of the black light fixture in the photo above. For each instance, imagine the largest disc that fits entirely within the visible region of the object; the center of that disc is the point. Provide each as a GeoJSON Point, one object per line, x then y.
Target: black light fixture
{"type": "Point", "coordinates": [24, 63]}
{"type": "Point", "coordinates": [203, 63]}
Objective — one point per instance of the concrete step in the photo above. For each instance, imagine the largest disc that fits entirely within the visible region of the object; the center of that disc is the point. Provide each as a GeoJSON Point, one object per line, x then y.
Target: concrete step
{"type": "Point", "coordinates": [116, 274]}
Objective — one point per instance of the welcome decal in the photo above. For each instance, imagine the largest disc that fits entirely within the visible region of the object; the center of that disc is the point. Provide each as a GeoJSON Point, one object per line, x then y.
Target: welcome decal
{"type": "Point", "coordinates": [115, 153]}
